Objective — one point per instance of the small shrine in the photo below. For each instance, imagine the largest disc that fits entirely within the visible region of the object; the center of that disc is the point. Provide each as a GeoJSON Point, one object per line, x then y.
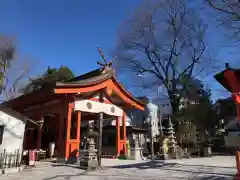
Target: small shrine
{"type": "Point", "coordinates": [62, 108]}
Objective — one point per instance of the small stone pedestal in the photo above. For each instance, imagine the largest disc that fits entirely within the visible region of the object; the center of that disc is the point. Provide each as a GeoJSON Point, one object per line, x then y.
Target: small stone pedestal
{"type": "Point", "coordinates": [136, 153]}
{"type": "Point", "coordinates": [89, 159]}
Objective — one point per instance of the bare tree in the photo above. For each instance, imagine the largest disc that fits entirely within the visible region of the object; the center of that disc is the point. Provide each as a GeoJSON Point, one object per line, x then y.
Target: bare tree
{"type": "Point", "coordinates": [163, 44]}
{"type": "Point", "coordinates": [16, 77]}
{"type": "Point", "coordinates": [14, 71]}
{"type": "Point", "coordinates": [7, 51]}
{"type": "Point", "coordinates": [228, 12]}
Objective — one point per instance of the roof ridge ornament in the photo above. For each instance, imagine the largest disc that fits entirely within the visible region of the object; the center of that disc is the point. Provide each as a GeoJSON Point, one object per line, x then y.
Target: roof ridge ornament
{"type": "Point", "coordinates": [107, 66]}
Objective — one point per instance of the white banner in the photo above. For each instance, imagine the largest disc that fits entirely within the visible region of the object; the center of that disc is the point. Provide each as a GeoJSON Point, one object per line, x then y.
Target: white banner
{"type": "Point", "coordinates": [97, 107]}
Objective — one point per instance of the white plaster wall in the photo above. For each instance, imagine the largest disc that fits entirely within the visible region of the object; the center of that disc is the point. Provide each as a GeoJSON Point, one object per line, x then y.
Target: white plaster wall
{"type": "Point", "coordinates": [13, 134]}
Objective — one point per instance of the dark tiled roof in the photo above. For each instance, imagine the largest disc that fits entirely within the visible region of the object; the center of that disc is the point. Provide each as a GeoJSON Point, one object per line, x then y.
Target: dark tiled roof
{"type": "Point", "coordinates": [90, 74]}
{"type": "Point", "coordinates": [90, 78]}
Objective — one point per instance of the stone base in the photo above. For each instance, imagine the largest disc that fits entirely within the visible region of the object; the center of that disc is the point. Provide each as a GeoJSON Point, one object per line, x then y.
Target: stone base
{"type": "Point", "coordinates": [89, 164]}
{"type": "Point", "coordinates": [136, 153]}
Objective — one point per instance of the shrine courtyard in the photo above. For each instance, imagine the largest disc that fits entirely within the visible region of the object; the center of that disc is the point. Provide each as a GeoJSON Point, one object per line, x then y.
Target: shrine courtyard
{"type": "Point", "coordinates": [214, 168]}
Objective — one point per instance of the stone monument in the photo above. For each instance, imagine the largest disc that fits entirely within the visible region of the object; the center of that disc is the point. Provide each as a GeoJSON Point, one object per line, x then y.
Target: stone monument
{"type": "Point", "coordinates": [89, 159]}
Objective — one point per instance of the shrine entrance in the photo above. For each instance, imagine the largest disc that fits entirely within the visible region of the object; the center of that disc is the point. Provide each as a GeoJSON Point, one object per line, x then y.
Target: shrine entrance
{"type": "Point", "coordinates": [93, 108]}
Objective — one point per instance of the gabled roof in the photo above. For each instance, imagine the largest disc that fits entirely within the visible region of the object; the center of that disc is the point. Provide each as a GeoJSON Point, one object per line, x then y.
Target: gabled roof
{"type": "Point", "coordinates": [90, 82]}
{"type": "Point", "coordinates": [90, 78]}
{"type": "Point", "coordinates": [98, 79]}
{"type": "Point", "coordinates": [88, 75]}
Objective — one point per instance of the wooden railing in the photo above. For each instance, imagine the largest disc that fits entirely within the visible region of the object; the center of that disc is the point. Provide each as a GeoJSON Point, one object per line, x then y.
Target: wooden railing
{"type": "Point", "coordinates": [9, 160]}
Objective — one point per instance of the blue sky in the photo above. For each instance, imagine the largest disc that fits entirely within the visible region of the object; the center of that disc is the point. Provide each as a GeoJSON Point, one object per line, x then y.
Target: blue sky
{"type": "Point", "coordinates": [60, 32]}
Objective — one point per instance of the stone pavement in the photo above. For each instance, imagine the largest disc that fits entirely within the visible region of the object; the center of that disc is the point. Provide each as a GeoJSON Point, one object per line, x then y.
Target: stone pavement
{"type": "Point", "coordinates": [215, 168]}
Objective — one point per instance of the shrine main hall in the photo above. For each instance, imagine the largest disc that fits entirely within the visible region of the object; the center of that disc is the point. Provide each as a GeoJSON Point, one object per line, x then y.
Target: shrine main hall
{"type": "Point", "coordinates": [61, 107]}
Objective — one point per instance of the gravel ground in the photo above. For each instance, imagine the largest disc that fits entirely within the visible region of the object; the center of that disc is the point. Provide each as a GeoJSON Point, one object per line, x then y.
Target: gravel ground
{"type": "Point", "coordinates": [215, 168]}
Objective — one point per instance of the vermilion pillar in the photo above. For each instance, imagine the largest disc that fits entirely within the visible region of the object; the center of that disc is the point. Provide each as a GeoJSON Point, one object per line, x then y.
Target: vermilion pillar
{"type": "Point", "coordinates": [68, 129]}
{"type": "Point", "coordinates": [121, 142]}
{"type": "Point", "coordinates": [124, 133]}
{"type": "Point", "coordinates": [118, 136]}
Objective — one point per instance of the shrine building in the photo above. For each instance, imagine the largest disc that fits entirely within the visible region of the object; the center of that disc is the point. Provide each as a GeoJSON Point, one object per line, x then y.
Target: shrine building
{"type": "Point", "coordinates": [60, 108]}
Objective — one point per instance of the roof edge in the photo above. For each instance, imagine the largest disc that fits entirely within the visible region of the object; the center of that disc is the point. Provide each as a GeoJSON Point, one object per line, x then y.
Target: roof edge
{"type": "Point", "coordinates": [16, 114]}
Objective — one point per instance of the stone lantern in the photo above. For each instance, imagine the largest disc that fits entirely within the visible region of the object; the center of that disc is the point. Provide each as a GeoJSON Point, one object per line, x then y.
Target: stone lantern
{"type": "Point", "coordinates": [89, 160]}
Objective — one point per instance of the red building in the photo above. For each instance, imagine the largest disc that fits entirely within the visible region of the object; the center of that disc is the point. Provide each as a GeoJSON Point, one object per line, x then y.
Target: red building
{"type": "Point", "coordinates": [60, 108]}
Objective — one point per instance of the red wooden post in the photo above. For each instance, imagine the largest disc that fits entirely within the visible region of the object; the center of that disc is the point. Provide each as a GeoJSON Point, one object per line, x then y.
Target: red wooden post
{"type": "Point", "coordinates": [118, 135]}
{"type": "Point", "coordinates": [124, 133]}
{"type": "Point", "coordinates": [68, 127]}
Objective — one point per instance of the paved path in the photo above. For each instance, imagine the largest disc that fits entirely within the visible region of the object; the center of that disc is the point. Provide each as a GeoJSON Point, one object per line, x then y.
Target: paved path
{"type": "Point", "coordinates": [215, 168]}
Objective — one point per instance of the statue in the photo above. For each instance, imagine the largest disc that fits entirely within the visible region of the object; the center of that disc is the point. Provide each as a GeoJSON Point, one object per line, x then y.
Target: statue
{"type": "Point", "coordinates": [89, 160]}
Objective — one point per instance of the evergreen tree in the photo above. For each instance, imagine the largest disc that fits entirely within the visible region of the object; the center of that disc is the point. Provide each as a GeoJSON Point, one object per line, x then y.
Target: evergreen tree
{"type": "Point", "coordinates": [51, 75]}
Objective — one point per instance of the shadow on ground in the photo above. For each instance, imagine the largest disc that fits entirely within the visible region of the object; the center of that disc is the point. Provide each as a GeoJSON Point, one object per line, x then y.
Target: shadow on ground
{"type": "Point", "coordinates": [66, 176]}
{"type": "Point", "coordinates": [146, 165]}
{"type": "Point", "coordinates": [176, 167]}
{"type": "Point", "coordinates": [198, 170]}
{"type": "Point", "coordinates": [214, 178]}
{"type": "Point", "coordinates": [66, 165]}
